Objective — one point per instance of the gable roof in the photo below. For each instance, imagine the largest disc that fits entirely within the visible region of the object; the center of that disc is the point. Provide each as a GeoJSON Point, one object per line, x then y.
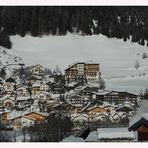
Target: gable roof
{"type": "Point", "coordinates": [140, 117]}
{"type": "Point", "coordinates": [137, 124]}
{"type": "Point", "coordinates": [33, 77]}
{"type": "Point", "coordinates": [38, 113]}
{"type": "Point", "coordinates": [37, 65]}
{"type": "Point", "coordinates": [21, 86]}
{"type": "Point", "coordinates": [124, 107]}
{"type": "Point", "coordinates": [102, 93]}
{"type": "Point", "coordinates": [10, 80]}
{"type": "Point", "coordinates": [70, 66]}
{"type": "Point", "coordinates": [95, 103]}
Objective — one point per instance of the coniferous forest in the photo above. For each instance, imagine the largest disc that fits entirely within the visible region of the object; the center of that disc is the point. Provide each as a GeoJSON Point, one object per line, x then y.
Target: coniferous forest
{"type": "Point", "coordinates": [113, 21]}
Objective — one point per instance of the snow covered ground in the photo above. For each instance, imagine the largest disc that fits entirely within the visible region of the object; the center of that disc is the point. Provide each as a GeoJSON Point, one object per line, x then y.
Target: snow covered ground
{"type": "Point", "coordinates": [116, 57]}
{"type": "Point", "coordinates": [8, 60]}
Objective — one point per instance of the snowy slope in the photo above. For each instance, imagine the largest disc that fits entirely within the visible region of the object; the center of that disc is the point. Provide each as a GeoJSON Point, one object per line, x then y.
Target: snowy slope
{"type": "Point", "coordinates": [8, 57]}
{"type": "Point", "coordinates": [116, 58]}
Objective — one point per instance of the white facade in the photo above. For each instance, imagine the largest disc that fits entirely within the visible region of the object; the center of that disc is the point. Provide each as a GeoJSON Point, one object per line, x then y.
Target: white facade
{"type": "Point", "coordinates": [8, 86]}
{"type": "Point", "coordinates": [37, 69]}
{"type": "Point", "coordinates": [21, 122]}
{"type": "Point", "coordinates": [80, 68]}
{"type": "Point", "coordinates": [44, 87]}
{"type": "Point", "coordinates": [22, 91]}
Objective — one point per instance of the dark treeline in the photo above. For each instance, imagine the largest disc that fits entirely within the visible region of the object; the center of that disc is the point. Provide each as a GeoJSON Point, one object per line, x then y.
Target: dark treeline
{"type": "Point", "coordinates": [112, 21]}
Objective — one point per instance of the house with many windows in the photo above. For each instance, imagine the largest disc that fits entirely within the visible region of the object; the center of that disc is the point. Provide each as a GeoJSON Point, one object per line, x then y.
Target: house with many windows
{"type": "Point", "coordinates": [82, 71]}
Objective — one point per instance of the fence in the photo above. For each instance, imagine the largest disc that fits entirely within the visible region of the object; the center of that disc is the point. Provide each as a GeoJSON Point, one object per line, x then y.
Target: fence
{"type": "Point", "coordinates": [96, 125]}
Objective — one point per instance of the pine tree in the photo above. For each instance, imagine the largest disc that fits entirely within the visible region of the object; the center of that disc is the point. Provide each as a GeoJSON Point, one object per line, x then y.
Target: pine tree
{"type": "Point", "coordinates": [5, 39]}
{"type": "Point", "coordinates": [142, 42]}
{"type": "Point", "coordinates": [34, 23]}
{"type": "Point", "coordinates": [146, 94]}
{"type": "Point", "coordinates": [137, 65]}
{"type": "Point", "coordinates": [3, 73]}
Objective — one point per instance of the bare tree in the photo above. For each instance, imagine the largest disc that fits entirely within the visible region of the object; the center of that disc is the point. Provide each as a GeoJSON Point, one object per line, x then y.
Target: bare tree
{"type": "Point", "coordinates": [102, 84]}
{"type": "Point", "coordinates": [137, 65]}
{"type": "Point", "coordinates": [144, 55]}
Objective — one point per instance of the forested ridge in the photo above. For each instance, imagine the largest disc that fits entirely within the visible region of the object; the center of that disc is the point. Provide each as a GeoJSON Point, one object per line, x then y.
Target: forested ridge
{"type": "Point", "coordinates": [112, 21]}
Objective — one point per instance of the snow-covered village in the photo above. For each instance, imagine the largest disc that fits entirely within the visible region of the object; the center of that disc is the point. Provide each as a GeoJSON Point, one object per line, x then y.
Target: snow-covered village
{"type": "Point", "coordinates": [73, 74]}
{"type": "Point", "coordinates": [33, 94]}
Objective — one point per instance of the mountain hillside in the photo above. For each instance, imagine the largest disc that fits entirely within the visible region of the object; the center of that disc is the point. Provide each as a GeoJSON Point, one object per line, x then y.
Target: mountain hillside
{"type": "Point", "coordinates": [117, 58]}
{"type": "Point", "coordinates": [8, 59]}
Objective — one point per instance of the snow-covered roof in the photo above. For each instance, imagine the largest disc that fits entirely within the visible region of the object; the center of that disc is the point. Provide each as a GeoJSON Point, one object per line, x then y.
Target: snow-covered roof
{"type": "Point", "coordinates": [103, 92]}
{"type": "Point", "coordinates": [36, 85]}
{"type": "Point", "coordinates": [80, 117]}
{"type": "Point", "coordinates": [115, 133]}
{"type": "Point", "coordinates": [96, 106]}
{"type": "Point", "coordinates": [79, 88]}
{"type": "Point", "coordinates": [73, 139]}
{"type": "Point", "coordinates": [75, 105]}
{"type": "Point", "coordinates": [34, 76]}
{"type": "Point", "coordinates": [43, 92]}
{"type": "Point", "coordinates": [21, 86]}
{"type": "Point", "coordinates": [142, 112]}
{"type": "Point", "coordinates": [72, 84]}
{"type": "Point", "coordinates": [21, 98]}
{"type": "Point", "coordinates": [92, 137]}
{"type": "Point", "coordinates": [15, 114]}
{"type": "Point", "coordinates": [7, 97]}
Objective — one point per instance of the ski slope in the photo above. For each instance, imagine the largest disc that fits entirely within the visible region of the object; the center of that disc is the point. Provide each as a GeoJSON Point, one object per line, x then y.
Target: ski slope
{"type": "Point", "coordinates": [116, 57]}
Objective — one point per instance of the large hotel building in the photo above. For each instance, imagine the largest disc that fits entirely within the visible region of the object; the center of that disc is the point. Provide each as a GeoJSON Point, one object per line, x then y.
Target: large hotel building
{"type": "Point", "coordinates": [88, 71]}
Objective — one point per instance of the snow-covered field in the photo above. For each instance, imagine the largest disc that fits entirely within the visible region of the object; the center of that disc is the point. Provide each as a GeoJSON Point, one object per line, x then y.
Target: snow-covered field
{"type": "Point", "coordinates": [116, 58]}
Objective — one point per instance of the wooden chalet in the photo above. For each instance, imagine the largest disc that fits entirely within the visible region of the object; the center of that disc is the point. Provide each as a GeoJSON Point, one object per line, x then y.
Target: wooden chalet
{"type": "Point", "coordinates": [58, 88]}
{"type": "Point", "coordinates": [37, 116]}
{"type": "Point", "coordinates": [4, 117]}
{"type": "Point", "coordinates": [19, 122]}
{"type": "Point", "coordinates": [96, 109]}
{"type": "Point", "coordinates": [35, 78]}
{"type": "Point", "coordinates": [44, 87]}
{"type": "Point", "coordinates": [22, 91]}
{"type": "Point", "coordinates": [78, 100]}
{"type": "Point", "coordinates": [35, 88]}
{"type": "Point", "coordinates": [27, 120]}
{"type": "Point", "coordinates": [37, 69]}
{"type": "Point", "coordinates": [86, 90]}
{"type": "Point", "coordinates": [67, 108]}
{"type": "Point", "coordinates": [114, 96]}
{"type": "Point", "coordinates": [141, 127]}
{"type": "Point", "coordinates": [43, 95]}
{"type": "Point", "coordinates": [9, 86]}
